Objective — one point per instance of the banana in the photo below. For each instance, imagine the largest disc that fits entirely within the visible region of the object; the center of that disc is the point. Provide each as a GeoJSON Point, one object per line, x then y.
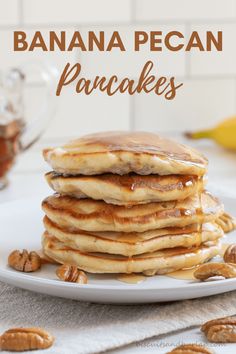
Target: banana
{"type": "Point", "coordinates": [223, 134]}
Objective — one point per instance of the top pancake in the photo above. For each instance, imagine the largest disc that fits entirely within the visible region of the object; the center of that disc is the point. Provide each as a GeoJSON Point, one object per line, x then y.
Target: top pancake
{"type": "Point", "coordinates": [125, 152]}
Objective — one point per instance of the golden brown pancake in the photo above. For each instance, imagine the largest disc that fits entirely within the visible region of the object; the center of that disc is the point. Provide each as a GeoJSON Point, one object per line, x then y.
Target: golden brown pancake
{"type": "Point", "coordinates": [129, 244]}
{"type": "Point", "coordinates": [159, 262]}
{"type": "Point", "coordinates": [128, 189]}
{"type": "Point", "coordinates": [92, 215]}
{"type": "Point", "coordinates": [125, 152]}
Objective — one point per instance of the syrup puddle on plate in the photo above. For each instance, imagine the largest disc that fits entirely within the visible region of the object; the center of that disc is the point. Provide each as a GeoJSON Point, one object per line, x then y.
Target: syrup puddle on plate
{"type": "Point", "coordinates": [131, 278]}
{"type": "Point", "coordinates": [183, 274]}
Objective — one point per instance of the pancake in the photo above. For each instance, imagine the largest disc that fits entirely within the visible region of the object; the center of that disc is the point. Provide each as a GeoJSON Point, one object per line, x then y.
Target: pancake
{"type": "Point", "coordinates": [159, 262]}
{"type": "Point", "coordinates": [92, 215]}
{"type": "Point", "coordinates": [124, 152]}
{"type": "Point", "coordinates": [129, 244]}
{"type": "Point", "coordinates": [128, 189]}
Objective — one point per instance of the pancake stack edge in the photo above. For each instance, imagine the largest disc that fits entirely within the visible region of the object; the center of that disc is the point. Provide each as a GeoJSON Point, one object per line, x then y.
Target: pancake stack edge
{"type": "Point", "coordinates": [130, 203]}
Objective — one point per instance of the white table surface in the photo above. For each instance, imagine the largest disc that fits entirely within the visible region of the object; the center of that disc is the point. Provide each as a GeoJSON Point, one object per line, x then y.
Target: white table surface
{"type": "Point", "coordinates": [26, 180]}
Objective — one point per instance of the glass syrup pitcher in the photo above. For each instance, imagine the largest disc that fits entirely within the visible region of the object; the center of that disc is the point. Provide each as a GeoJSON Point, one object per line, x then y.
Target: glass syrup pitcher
{"type": "Point", "coordinates": [16, 132]}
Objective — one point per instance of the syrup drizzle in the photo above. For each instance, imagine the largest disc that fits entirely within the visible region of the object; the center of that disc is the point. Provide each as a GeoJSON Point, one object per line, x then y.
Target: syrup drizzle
{"type": "Point", "coordinates": [131, 278]}
{"type": "Point", "coordinates": [200, 213]}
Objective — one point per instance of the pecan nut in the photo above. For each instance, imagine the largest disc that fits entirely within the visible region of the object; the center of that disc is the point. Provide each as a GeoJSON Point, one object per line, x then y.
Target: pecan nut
{"type": "Point", "coordinates": [230, 254]}
{"type": "Point", "coordinates": [20, 339]}
{"type": "Point", "coordinates": [226, 222]}
{"type": "Point", "coordinates": [24, 261]}
{"type": "Point", "coordinates": [221, 330]}
{"type": "Point", "coordinates": [190, 349]}
{"type": "Point", "coordinates": [208, 270]}
{"type": "Point", "coordinates": [71, 273]}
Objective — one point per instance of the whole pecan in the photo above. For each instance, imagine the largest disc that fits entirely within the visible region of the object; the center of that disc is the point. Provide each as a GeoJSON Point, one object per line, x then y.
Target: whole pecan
{"type": "Point", "coordinates": [208, 270]}
{"type": "Point", "coordinates": [227, 222]}
{"type": "Point", "coordinates": [230, 254]}
{"type": "Point", "coordinates": [21, 339]}
{"type": "Point", "coordinates": [221, 330]}
{"type": "Point", "coordinates": [24, 261]}
{"type": "Point", "coordinates": [190, 349]}
{"type": "Point", "coordinates": [71, 273]}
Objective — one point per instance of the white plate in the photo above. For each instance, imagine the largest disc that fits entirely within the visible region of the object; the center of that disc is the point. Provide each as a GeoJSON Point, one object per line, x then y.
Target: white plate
{"type": "Point", "coordinates": [21, 227]}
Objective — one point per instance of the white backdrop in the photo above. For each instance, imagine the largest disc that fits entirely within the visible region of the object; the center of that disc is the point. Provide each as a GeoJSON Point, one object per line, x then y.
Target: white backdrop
{"type": "Point", "coordinates": [209, 91]}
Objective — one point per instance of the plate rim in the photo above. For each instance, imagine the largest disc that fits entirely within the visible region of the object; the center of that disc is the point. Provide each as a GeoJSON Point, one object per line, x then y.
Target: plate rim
{"type": "Point", "coordinates": [5, 273]}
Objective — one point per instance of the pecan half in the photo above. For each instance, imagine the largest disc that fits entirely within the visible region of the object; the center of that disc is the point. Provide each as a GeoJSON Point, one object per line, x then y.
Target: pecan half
{"type": "Point", "coordinates": [20, 339]}
{"type": "Point", "coordinates": [230, 254]}
{"type": "Point", "coordinates": [190, 349]}
{"type": "Point", "coordinates": [226, 222]}
{"type": "Point", "coordinates": [24, 261]}
{"type": "Point", "coordinates": [221, 330]}
{"type": "Point", "coordinates": [71, 273]}
{"type": "Point", "coordinates": [208, 270]}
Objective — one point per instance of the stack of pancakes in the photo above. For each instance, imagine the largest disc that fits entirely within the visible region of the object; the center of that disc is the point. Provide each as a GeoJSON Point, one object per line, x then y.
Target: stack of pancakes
{"type": "Point", "coordinates": [129, 203]}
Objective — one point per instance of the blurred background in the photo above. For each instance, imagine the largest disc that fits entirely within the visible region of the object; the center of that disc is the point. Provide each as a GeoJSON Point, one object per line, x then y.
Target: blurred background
{"type": "Point", "coordinates": [207, 97]}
